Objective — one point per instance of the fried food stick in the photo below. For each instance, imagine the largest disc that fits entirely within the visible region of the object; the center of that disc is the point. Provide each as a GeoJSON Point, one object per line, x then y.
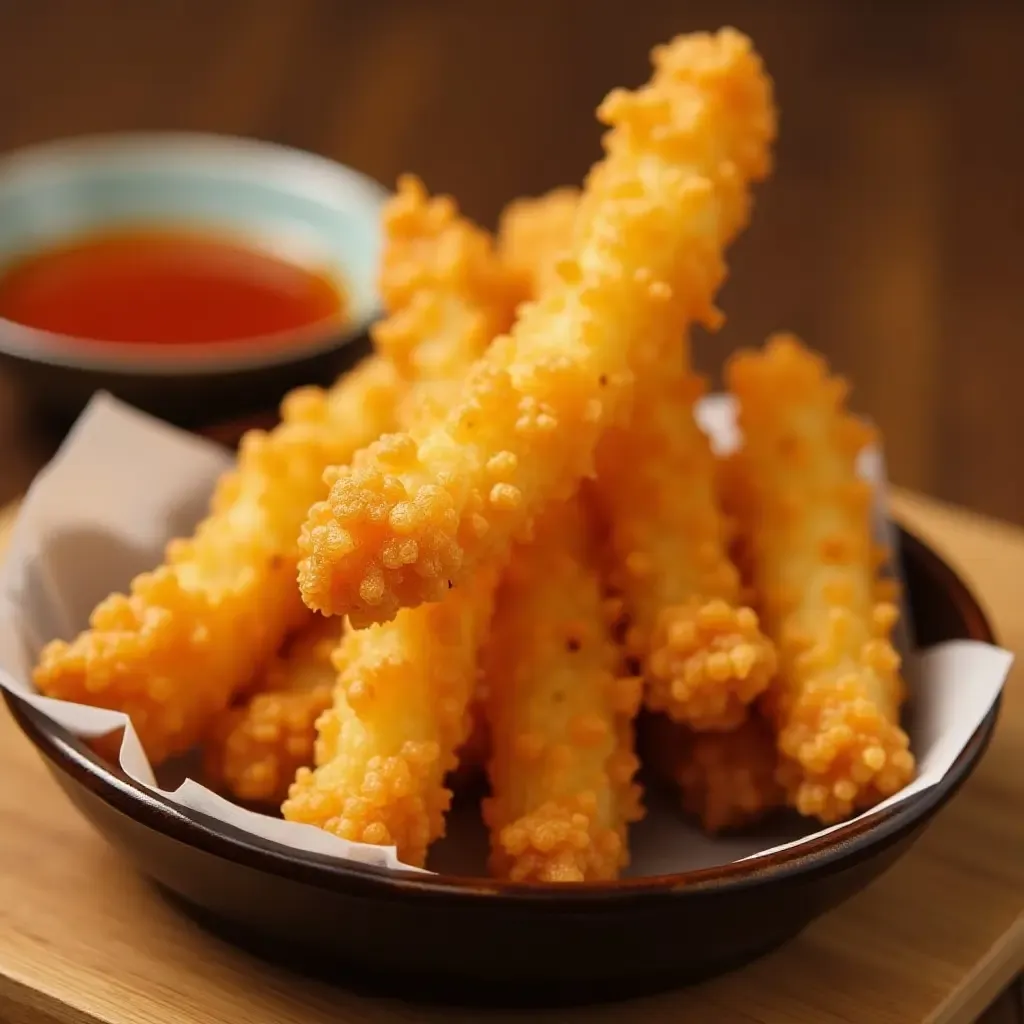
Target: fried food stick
{"type": "Point", "coordinates": [534, 232]}
{"type": "Point", "coordinates": [447, 294]}
{"type": "Point", "coordinates": [255, 749]}
{"type": "Point", "coordinates": [401, 705]}
{"type": "Point", "coordinates": [837, 699]}
{"type": "Point", "coordinates": [561, 715]}
{"type": "Point", "coordinates": [704, 656]}
{"type": "Point", "coordinates": [727, 780]}
{"type": "Point", "coordinates": [420, 511]}
{"type": "Point", "coordinates": [173, 652]}
{"type": "Point", "coordinates": [399, 714]}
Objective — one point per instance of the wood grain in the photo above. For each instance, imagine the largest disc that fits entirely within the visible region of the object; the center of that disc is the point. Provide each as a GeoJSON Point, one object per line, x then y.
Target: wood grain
{"type": "Point", "coordinates": [83, 941]}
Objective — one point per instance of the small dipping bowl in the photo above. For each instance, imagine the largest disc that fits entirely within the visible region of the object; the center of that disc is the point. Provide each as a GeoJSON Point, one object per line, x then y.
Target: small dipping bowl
{"type": "Point", "coordinates": [293, 205]}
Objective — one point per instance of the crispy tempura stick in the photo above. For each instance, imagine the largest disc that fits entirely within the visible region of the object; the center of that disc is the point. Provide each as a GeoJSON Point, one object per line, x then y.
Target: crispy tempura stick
{"type": "Point", "coordinates": [837, 700]}
{"type": "Point", "coordinates": [533, 233]}
{"type": "Point", "coordinates": [174, 651]}
{"type": "Point", "coordinates": [561, 715]}
{"type": "Point", "coordinates": [255, 749]}
{"type": "Point", "coordinates": [417, 512]}
{"type": "Point", "coordinates": [726, 779]}
{"type": "Point", "coordinates": [400, 710]}
{"type": "Point", "coordinates": [433, 262]}
{"type": "Point", "coordinates": [703, 653]}
{"type": "Point", "coordinates": [704, 656]}
{"type": "Point", "coordinates": [399, 715]}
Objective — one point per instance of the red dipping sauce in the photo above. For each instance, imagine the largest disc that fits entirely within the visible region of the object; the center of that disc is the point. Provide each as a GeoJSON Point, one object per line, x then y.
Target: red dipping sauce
{"type": "Point", "coordinates": [165, 287]}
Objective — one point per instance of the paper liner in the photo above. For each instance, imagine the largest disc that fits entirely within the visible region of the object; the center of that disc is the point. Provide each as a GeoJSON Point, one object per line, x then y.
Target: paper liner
{"type": "Point", "coordinates": [123, 483]}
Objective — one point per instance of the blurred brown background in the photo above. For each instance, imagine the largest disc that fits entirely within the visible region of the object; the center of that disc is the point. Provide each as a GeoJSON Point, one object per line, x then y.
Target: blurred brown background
{"type": "Point", "coordinates": [890, 235]}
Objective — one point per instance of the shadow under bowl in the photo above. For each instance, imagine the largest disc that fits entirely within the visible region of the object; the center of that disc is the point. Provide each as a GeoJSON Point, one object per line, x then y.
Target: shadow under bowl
{"type": "Point", "coordinates": [290, 201]}
{"type": "Point", "coordinates": [479, 941]}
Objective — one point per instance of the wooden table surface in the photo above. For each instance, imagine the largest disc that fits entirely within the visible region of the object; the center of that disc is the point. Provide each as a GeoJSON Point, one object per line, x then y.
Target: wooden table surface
{"type": "Point", "coordinates": [84, 941]}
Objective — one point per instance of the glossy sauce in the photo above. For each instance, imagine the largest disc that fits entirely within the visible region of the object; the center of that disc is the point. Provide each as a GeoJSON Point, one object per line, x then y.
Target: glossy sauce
{"type": "Point", "coordinates": [165, 287]}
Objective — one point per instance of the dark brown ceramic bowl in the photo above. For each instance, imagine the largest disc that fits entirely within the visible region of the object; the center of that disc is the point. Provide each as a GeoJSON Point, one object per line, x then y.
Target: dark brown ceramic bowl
{"type": "Point", "coordinates": [311, 208]}
{"type": "Point", "coordinates": [467, 938]}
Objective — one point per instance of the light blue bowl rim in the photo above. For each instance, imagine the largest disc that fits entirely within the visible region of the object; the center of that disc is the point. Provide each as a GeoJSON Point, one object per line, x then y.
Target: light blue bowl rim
{"type": "Point", "coordinates": [283, 168]}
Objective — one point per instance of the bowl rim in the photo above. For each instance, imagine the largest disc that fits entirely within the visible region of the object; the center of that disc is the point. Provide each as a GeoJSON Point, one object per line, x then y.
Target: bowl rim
{"type": "Point", "coordinates": [849, 843]}
{"type": "Point", "coordinates": [285, 168]}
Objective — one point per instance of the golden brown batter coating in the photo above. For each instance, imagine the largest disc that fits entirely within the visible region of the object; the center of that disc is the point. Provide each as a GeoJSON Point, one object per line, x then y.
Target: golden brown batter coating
{"type": "Point", "coordinates": [446, 291]}
{"type": "Point", "coordinates": [704, 656]}
{"type": "Point", "coordinates": [534, 233]}
{"type": "Point", "coordinates": [175, 650]}
{"type": "Point", "coordinates": [837, 699]}
{"type": "Point", "coordinates": [668, 553]}
{"type": "Point", "coordinates": [727, 780]}
{"type": "Point", "coordinates": [255, 749]}
{"type": "Point", "coordinates": [561, 715]}
{"type": "Point", "coordinates": [399, 714]}
{"type": "Point", "coordinates": [418, 511]}
{"type": "Point", "coordinates": [401, 708]}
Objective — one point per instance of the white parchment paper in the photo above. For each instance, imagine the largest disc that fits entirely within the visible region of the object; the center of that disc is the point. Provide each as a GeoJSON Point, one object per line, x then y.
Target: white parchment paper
{"type": "Point", "coordinates": [123, 483]}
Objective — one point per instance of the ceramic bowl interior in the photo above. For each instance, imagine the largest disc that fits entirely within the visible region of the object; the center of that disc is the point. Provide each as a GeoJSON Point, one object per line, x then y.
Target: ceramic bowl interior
{"type": "Point", "coordinates": [293, 204]}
